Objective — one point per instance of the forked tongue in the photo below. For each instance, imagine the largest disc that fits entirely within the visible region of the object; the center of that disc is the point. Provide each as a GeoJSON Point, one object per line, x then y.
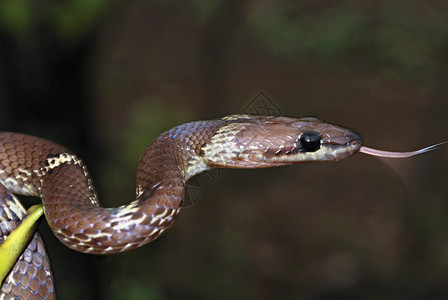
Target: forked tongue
{"type": "Point", "coordinates": [391, 154]}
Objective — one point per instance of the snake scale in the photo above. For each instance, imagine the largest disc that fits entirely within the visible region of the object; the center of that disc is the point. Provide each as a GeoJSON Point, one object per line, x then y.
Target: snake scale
{"type": "Point", "coordinates": [37, 167]}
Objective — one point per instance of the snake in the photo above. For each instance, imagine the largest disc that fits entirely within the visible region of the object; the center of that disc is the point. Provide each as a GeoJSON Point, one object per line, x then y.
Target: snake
{"type": "Point", "coordinates": [37, 167]}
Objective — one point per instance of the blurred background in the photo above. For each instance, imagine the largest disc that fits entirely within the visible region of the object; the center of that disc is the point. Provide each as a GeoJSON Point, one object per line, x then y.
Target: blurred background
{"type": "Point", "coordinates": [106, 77]}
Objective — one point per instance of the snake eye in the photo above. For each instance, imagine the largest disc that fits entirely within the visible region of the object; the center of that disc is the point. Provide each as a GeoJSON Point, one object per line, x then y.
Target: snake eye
{"type": "Point", "coordinates": [309, 141]}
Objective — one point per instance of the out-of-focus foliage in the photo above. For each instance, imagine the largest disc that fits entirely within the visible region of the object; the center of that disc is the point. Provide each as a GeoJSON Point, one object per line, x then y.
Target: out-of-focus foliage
{"type": "Point", "coordinates": [203, 9]}
{"type": "Point", "coordinates": [411, 36]}
{"type": "Point", "coordinates": [15, 16]}
{"type": "Point", "coordinates": [298, 35]}
{"type": "Point", "coordinates": [405, 35]}
{"type": "Point", "coordinates": [67, 20]}
{"type": "Point", "coordinates": [72, 19]}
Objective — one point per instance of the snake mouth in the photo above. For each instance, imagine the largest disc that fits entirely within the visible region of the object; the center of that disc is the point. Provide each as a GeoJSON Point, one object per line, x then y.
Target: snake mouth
{"type": "Point", "coordinates": [338, 147]}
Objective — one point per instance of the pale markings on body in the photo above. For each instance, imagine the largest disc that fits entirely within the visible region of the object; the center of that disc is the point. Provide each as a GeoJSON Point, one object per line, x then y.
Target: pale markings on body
{"type": "Point", "coordinates": [63, 158]}
{"type": "Point", "coordinates": [16, 208]}
{"type": "Point", "coordinates": [138, 191]}
{"type": "Point", "coordinates": [237, 117]}
{"type": "Point", "coordinates": [216, 148]}
{"type": "Point", "coordinates": [195, 166]}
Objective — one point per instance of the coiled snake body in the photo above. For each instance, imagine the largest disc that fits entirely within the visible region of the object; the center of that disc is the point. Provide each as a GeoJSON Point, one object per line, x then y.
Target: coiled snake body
{"type": "Point", "coordinates": [37, 167]}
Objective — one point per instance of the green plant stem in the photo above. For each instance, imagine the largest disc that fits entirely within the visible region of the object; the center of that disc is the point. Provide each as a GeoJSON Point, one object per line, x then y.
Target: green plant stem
{"type": "Point", "coordinates": [18, 240]}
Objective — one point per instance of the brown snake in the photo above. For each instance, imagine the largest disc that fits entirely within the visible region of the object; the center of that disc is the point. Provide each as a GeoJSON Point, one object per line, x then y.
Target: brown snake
{"type": "Point", "coordinates": [37, 167]}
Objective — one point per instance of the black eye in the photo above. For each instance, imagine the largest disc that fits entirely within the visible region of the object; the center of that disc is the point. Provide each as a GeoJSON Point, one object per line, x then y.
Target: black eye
{"type": "Point", "coordinates": [309, 142]}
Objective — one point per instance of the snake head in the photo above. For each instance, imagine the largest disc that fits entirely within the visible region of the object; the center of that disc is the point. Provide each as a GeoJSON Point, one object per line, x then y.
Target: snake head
{"type": "Point", "coordinates": [262, 141]}
{"type": "Point", "coordinates": [310, 139]}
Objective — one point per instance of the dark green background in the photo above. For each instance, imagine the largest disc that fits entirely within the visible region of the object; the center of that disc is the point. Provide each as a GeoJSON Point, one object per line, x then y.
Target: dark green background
{"type": "Point", "coordinates": [106, 77]}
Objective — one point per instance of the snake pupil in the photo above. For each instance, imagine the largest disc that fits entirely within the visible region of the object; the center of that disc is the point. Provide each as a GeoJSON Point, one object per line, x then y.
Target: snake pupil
{"type": "Point", "coordinates": [309, 141]}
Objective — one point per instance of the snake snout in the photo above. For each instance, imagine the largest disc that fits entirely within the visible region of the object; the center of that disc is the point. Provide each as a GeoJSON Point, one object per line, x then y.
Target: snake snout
{"type": "Point", "coordinates": [337, 143]}
{"type": "Point", "coordinates": [350, 142]}
{"type": "Point", "coordinates": [354, 139]}
{"type": "Point", "coordinates": [342, 138]}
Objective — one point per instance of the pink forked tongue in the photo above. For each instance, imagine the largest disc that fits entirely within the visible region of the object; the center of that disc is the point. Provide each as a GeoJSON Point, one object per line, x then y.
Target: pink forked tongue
{"type": "Point", "coordinates": [390, 154]}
